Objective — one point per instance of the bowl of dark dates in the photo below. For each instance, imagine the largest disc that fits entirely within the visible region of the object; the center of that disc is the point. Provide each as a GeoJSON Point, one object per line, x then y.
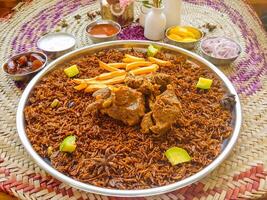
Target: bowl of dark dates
{"type": "Point", "coordinates": [24, 66]}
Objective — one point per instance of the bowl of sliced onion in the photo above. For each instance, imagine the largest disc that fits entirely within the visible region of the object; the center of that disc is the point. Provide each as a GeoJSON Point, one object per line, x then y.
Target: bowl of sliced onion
{"type": "Point", "coordinates": [220, 50]}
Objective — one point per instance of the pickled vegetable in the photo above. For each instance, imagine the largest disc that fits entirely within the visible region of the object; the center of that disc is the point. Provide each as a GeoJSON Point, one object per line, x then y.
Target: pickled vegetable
{"type": "Point", "coordinates": [184, 34]}
{"type": "Point", "coordinates": [68, 144]}
{"type": "Point", "coordinates": [24, 64]}
{"type": "Point", "coordinates": [22, 61]}
{"type": "Point", "coordinates": [72, 71]}
{"type": "Point", "coordinates": [175, 37]}
{"type": "Point", "coordinates": [11, 67]}
{"type": "Point", "coordinates": [189, 40]}
{"type": "Point", "coordinates": [204, 83]}
{"type": "Point", "coordinates": [36, 64]}
{"type": "Point", "coordinates": [35, 56]}
{"type": "Point", "coordinates": [221, 47]}
{"type": "Point", "coordinates": [196, 32]}
{"type": "Point", "coordinates": [177, 155]}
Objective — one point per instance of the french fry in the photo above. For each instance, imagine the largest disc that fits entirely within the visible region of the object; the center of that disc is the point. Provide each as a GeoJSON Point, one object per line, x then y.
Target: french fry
{"type": "Point", "coordinates": [79, 81]}
{"type": "Point", "coordinates": [95, 82]}
{"type": "Point", "coordinates": [81, 86]}
{"type": "Point", "coordinates": [112, 81]}
{"type": "Point", "coordinates": [159, 61]}
{"type": "Point", "coordinates": [95, 87]}
{"type": "Point", "coordinates": [116, 80]}
{"type": "Point", "coordinates": [117, 65]}
{"type": "Point", "coordinates": [110, 75]}
{"type": "Point", "coordinates": [145, 70]}
{"type": "Point", "coordinates": [134, 65]}
{"type": "Point", "coordinates": [105, 66]}
{"type": "Point", "coordinates": [129, 58]}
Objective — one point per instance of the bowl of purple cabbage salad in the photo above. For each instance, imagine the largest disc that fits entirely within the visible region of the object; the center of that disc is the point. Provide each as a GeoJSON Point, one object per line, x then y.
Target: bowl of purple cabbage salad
{"type": "Point", "coordinates": [220, 50]}
{"type": "Point", "coordinates": [132, 32]}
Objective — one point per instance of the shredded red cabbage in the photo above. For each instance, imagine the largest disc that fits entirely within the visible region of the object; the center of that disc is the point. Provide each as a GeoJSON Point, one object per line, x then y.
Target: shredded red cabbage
{"type": "Point", "coordinates": [132, 32]}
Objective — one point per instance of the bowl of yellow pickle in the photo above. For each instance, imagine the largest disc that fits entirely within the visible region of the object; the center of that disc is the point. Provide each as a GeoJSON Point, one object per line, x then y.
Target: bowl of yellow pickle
{"type": "Point", "coordinates": [184, 36]}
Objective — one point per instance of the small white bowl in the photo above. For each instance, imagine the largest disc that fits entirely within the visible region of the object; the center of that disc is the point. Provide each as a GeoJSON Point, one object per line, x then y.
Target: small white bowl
{"type": "Point", "coordinates": [55, 45]}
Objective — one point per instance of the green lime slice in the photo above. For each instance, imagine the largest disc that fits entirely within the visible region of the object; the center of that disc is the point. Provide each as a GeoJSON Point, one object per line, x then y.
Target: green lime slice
{"type": "Point", "coordinates": [68, 144]}
{"type": "Point", "coordinates": [204, 83]}
{"type": "Point", "coordinates": [177, 155]}
{"type": "Point", "coordinates": [152, 51]}
{"type": "Point", "coordinates": [72, 71]}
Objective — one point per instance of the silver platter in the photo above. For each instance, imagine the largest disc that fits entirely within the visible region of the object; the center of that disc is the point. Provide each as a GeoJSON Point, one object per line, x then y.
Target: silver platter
{"type": "Point", "coordinates": [142, 45]}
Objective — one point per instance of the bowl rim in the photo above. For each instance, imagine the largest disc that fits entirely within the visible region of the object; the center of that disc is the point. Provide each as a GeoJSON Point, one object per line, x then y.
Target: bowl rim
{"type": "Point", "coordinates": [220, 59]}
{"type": "Point", "coordinates": [56, 33]}
{"type": "Point", "coordinates": [102, 21]}
{"type": "Point", "coordinates": [21, 54]}
{"type": "Point", "coordinates": [202, 34]}
{"type": "Point", "coordinates": [128, 193]}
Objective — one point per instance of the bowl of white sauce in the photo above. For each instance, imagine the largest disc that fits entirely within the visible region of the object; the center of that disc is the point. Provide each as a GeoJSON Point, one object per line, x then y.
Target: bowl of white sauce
{"type": "Point", "coordinates": [55, 45]}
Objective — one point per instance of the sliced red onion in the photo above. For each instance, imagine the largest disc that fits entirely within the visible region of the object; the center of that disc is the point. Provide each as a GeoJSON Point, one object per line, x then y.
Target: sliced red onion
{"type": "Point", "coordinates": [221, 47]}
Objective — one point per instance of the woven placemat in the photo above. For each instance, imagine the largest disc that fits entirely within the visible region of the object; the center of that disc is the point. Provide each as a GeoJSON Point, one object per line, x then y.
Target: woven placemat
{"type": "Point", "coordinates": [242, 176]}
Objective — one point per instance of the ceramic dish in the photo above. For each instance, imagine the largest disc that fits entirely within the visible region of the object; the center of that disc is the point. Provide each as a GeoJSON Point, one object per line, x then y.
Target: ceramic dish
{"type": "Point", "coordinates": [216, 60]}
{"type": "Point", "coordinates": [97, 38]}
{"type": "Point", "coordinates": [55, 45]}
{"type": "Point", "coordinates": [186, 45]}
{"type": "Point", "coordinates": [27, 75]}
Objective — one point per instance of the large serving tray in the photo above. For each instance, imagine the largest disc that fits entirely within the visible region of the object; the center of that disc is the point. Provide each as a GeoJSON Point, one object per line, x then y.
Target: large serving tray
{"type": "Point", "coordinates": [141, 45]}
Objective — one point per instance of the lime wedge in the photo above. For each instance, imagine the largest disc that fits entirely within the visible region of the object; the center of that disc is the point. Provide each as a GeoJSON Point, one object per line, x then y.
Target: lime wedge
{"type": "Point", "coordinates": [204, 83]}
{"type": "Point", "coordinates": [152, 51]}
{"type": "Point", "coordinates": [68, 144]}
{"type": "Point", "coordinates": [72, 71]}
{"type": "Point", "coordinates": [177, 155]}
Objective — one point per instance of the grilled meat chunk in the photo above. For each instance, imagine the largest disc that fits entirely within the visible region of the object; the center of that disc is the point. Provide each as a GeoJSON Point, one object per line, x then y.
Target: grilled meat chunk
{"type": "Point", "coordinates": [165, 112]}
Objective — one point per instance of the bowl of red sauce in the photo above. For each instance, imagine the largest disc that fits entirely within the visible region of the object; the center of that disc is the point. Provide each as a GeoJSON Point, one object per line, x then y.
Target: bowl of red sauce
{"type": "Point", "coordinates": [24, 66]}
{"type": "Point", "coordinates": [220, 50]}
{"type": "Point", "coordinates": [103, 30]}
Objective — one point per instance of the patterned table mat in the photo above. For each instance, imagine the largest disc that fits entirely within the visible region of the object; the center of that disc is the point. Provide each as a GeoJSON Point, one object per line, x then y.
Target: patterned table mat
{"type": "Point", "coordinates": [242, 176]}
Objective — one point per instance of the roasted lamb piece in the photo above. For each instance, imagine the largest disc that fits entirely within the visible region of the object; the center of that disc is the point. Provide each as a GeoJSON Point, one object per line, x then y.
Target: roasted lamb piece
{"type": "Point", "coordinates": [165, 112]}
{"type": "Point", "coordinates": [127, 103]}
{"type": "Point", "coordinates": [150, 84]}
{"type": "Point", "coordinates": [122, 103]}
